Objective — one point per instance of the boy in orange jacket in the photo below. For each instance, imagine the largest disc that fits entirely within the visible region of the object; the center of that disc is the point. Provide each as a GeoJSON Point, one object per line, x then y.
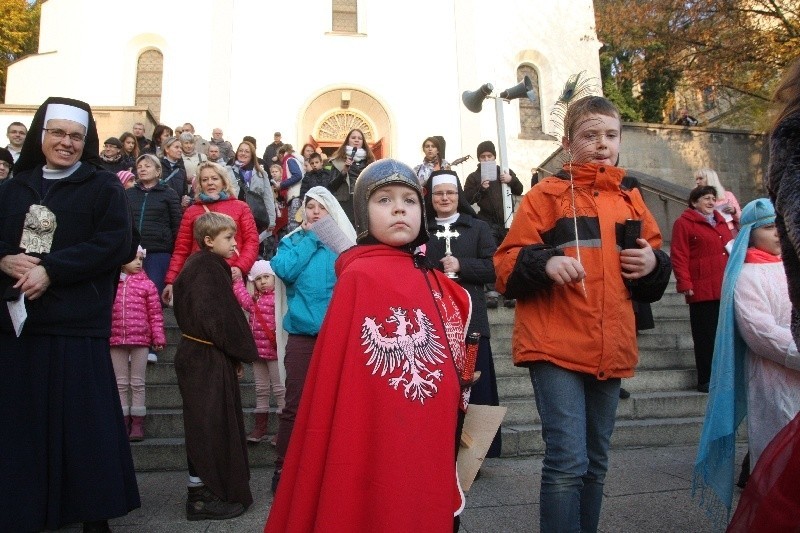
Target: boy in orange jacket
{"type": "Point", "coordinates": [575, 329]}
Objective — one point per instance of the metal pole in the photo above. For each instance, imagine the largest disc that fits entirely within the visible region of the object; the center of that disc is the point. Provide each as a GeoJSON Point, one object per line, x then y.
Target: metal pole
{"type": "Point", "coordinates": [508, 210]}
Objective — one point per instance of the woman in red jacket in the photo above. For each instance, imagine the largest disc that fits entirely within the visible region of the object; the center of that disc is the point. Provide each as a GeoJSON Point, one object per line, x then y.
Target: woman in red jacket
{"type": "Point", "coordinates": [214, 193]}
{"type": "Point", "coordinates": [699, 257]}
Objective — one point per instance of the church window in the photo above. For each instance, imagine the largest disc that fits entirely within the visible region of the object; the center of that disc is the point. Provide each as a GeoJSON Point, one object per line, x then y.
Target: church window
{"type": "Point", "coordinates": [530, 113]}
{"type": "Point", "coordinates": [149, 74]}
{"type": "Point", "coordinates": [345, 16]}
{"type": "Point", "coordinates": [338, 125]}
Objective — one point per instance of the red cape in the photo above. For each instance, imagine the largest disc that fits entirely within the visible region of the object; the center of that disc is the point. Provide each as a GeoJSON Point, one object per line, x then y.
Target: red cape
{"type": "Point", "coordinates": [373, 447]}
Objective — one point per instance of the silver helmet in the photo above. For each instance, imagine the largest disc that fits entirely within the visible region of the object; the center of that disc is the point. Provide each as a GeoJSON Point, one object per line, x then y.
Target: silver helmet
{"type": "Point", "coordinates": [376, 175]}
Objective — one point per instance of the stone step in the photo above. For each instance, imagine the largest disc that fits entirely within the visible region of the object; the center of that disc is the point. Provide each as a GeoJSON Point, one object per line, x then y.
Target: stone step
{"type": "Point", "coordinates": [527, 439]}
{"type": "Point", "coordinates": [676, 325]}
{"type": "Point", "coordinates": [512, 387]}
{"type": "Point", "coordinates": [157, 454]}
{"type": "Point", "coordinates": [168, 423]}
{"type": "Point", "coordinates": [640, 406]}
{"type": "Point", "coordinates": [649, 359]}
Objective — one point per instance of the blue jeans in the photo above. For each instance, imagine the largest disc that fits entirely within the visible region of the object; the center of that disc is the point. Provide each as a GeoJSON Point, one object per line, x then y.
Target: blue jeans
{"type": "Point", "coordinates": [155, 266]}
{"type": "Point", "coordinates": [577, 413]}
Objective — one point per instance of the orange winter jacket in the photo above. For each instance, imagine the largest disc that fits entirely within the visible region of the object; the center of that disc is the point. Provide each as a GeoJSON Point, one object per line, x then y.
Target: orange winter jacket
{"type": "Point", "coordinates": [592, 332]}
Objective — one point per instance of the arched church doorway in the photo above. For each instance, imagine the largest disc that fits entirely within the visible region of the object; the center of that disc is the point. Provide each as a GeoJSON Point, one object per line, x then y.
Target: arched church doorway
{"type": "Point", "coordinates": [332, 114]}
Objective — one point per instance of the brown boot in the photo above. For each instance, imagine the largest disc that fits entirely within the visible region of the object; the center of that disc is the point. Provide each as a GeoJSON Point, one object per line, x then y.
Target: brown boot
{"type": "Point", "coordinates": [259, 429]}
{"type": "Point", "coordinates": [202, 504]}
{"type": "Point", "coordinates": [137, 429]}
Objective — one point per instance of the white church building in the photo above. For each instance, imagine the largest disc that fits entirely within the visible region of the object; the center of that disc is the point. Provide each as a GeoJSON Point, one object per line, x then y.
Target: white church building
{"type": "Point", "coordinates": [314, 69]}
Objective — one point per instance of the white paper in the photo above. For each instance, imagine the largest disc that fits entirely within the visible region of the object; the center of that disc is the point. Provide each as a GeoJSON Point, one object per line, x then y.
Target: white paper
{"type": "Point", "coordinates": [728, 217]}
{"type": "Point", "coordinates": [18, 313]}
{"type": "Point", "coordinates": [331, 235]}
{"type": "Point", "coordinates": [488, 170]}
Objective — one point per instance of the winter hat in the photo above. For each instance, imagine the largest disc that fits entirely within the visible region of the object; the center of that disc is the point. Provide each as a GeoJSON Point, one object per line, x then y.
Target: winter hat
{"type": "Point", "coordinates": [125, 176]}
{"type": "Point", "coordinates": [6, 156]}
{"type": "Point", "coordinates": [260, 268]}
{"type": "Point", "coordinates": [487, 146]}
{"type": "Point", "coordinates": [113, 141]}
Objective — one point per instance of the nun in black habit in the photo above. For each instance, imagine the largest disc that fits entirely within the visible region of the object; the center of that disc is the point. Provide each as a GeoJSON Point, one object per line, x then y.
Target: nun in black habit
{"type": "Point", "coordinates": [471, 262]}
{"type": "Point", "coordinates": [64, 452]}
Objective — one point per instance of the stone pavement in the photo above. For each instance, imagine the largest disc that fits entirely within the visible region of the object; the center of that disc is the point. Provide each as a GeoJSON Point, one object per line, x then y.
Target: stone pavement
{"type": "Point", "coordinates": [647, 490]}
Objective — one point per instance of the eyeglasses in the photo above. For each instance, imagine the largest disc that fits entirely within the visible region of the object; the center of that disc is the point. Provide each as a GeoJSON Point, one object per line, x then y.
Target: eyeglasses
{"type": "Point", "coordinates": [60, 134]}
{"type": "Point", "coordinates": [442, 194]}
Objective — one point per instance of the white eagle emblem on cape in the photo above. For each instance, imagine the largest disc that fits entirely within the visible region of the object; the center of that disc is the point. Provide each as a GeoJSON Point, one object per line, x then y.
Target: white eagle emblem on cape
{"type": "Point", "coordinates": [407, 350]}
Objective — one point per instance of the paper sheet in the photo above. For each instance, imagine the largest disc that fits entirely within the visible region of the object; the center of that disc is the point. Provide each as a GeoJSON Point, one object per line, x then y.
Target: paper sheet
{"type": "Point", "coordinates": [18, 313]}
{"type": "Point", "coordinates": [728, 217]}
{"type": "Point", "coordinates": [489, 170]}
{"type": "Point", "coordinates": [331, 235]}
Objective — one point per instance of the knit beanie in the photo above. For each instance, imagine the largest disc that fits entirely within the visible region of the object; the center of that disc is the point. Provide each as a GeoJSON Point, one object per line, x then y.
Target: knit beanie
{"type": "Point", "coordinates": [260, 267]}
{"type": "Point", "coordinates": [125, 176]}
{"type": "Point", "coordinates": [486, 146]}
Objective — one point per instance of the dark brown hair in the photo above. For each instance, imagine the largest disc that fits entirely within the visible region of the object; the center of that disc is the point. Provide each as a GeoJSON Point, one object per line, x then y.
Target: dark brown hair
{"type": "Point", "coordinates": [786, 100]}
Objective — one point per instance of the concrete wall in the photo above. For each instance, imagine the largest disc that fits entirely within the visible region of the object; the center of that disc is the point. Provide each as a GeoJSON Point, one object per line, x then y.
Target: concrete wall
{"type": "Point", "coordinates": [673, 153]}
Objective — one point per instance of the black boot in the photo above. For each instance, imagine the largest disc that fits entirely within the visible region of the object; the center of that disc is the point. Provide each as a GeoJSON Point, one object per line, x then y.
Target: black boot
{"type": "Point", "coordinates": [98, 526]}
{"type": "Point", "coordinates": [744, 475]}
{"type": "Point", "coordinates": [276, 478]}
{"type": "Point", "coordinates": [202, 504]}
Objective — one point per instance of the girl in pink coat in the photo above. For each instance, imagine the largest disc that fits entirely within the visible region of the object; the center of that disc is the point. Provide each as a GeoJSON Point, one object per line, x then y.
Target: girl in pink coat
{"type": "Point", "coordinates": [136, 324]}
{"type": "Point", "coordinates": [261, 306]}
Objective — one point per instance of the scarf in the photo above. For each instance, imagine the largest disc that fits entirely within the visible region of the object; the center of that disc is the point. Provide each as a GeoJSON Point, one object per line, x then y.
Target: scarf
{"type": "Point", "coordinates": [714, 467]}
{"type": "Point", "coordinates": [206, 199]}
{"type": "Point", "coordinates": [754, 255]}
{"type": "Point", "coordinates": [361, 154]}
{"type": "Point", "coordinates": [245, 171]}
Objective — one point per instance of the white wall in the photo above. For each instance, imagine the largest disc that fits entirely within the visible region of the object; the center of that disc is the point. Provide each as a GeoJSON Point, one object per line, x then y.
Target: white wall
{"type": "Point", "coordinates": [250, 67]}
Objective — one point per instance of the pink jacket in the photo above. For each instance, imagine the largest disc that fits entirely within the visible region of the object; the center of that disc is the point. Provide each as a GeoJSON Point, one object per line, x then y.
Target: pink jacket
{"type": "Point", "coordinates": [136, 317]}
{"type": "Point", "coordinates": [266, 307]}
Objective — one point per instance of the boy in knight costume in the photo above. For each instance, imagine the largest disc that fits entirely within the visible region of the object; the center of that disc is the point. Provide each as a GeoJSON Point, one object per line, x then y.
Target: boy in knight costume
{"type": "Point", "coordinates": [374, 444]}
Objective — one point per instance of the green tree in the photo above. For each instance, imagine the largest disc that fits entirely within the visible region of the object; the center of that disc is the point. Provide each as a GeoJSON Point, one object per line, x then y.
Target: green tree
{"type": "Point", "coordinates": [19, 33]}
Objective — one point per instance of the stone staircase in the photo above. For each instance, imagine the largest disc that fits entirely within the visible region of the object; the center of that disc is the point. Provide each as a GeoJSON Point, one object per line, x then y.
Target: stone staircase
{"type": "Point", "coordinates": [663, 409]}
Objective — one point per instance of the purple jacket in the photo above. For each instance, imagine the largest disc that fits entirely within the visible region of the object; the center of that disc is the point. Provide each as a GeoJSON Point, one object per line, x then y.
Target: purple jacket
{"type": "Point", "coordinates": [136, 317]}
{"type": "Point", "coordinates": [266, 308]}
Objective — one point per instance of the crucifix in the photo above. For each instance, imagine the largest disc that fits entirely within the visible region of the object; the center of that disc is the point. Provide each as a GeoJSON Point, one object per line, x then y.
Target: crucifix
{"type": "Point", "coordinates": [447, 235]}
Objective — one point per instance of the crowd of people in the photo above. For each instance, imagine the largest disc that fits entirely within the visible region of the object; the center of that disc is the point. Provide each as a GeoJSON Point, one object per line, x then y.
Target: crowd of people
{"type": "Point", "coordinates": [95, 241]}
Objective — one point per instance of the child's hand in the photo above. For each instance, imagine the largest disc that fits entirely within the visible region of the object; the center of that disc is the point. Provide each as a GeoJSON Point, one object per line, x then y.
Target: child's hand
{"type": "Point", "coordinates": [637, 262]}
{"type": "Point", "coordinates": [563, 269]}
{"type": "Point", "coordinates": [239, 370]}
{"type": "Point", "coordinates": [158, 347]}
{"type": "Point", "coordinates": [236, 273]}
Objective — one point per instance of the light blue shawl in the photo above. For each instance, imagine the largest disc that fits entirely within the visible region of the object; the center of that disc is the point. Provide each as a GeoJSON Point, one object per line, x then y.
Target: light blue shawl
{"type": "Point", "coordinates": [727, 400]}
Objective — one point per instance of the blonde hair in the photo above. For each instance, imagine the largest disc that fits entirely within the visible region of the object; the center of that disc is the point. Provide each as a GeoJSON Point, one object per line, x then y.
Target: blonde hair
{"type": "Point", "coordinates": [211, 224]}
{"type": "Point", "coordinates": [712, 180]}
{"type": "Point", "coordinates": [221, 171]}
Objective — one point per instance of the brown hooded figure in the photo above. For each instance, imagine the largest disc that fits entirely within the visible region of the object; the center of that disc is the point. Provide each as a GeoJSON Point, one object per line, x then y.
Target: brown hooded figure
{"type": "Point", "coordinates": [216, 339]}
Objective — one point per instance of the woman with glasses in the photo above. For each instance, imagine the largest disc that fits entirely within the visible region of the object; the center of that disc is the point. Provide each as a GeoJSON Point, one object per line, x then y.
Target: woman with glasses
{"type": "Point", "coordinates": [462, 246]}
{"type": "Point", "coordinates": [65, 230]}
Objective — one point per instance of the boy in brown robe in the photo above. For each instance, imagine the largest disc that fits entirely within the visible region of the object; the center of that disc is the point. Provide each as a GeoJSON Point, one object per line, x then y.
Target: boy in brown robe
{"type": "Point", "coordinates": [215, 341]}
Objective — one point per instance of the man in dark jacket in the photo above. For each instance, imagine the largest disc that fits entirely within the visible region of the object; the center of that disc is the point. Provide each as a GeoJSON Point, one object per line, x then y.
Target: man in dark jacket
{"type": "Point", "coordinates": [488, 195]}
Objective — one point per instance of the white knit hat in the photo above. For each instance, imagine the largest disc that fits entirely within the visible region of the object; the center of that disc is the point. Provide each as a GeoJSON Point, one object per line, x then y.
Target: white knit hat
{"type": "Point", "coordinates": [260, 267]}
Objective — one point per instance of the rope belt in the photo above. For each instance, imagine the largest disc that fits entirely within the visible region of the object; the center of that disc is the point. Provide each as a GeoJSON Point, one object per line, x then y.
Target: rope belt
{"type": "Point", "coordinates": [201, 341]}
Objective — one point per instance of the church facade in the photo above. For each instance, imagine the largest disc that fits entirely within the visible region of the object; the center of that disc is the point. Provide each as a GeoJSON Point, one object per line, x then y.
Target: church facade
{"type": "Point", "coordinates": [314, 69]}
